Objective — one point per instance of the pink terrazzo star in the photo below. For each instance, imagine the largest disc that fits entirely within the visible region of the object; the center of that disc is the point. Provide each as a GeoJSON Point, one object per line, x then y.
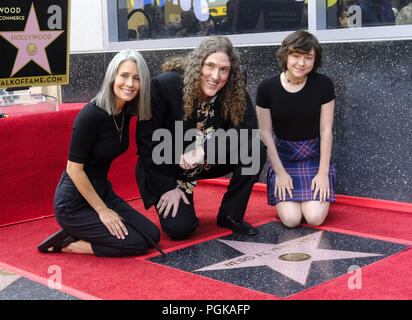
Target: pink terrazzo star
{"type": "Point", "coordinates": [263, 254]}
{"type": "Point", "coordinates": [31, 43]}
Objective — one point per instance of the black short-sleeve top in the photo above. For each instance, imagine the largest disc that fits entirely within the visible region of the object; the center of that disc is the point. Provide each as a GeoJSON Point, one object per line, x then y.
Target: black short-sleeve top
{"type": "Point", "coordinates": [295, 116]}
{"type": "Point", "coordinates": [95, 141]}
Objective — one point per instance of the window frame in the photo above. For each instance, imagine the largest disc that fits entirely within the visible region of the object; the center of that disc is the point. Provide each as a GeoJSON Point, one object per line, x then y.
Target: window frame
{"type": "Point", "coordinates": [316, 25]}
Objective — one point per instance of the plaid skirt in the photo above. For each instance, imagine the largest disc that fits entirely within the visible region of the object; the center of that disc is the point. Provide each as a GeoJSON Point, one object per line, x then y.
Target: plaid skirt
{"type": "Point", "coordinates": [301, 161]}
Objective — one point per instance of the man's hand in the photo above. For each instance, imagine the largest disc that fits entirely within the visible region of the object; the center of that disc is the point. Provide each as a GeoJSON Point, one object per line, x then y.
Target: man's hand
{"type": "Point", "coordinates": [191, 159]}
{"type": "Point", "coordinates": [171, 199]}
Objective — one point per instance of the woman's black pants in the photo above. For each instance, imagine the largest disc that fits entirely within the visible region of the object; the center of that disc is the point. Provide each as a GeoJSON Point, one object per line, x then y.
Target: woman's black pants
{"type": "Point", "coordinates": [78, 218]}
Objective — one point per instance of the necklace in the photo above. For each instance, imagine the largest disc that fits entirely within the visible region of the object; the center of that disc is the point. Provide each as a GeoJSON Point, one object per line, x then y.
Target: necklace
{"type": "Point", "coordinates": [294, 83]}
{"type": "Point", "coordinates": [119, 130]}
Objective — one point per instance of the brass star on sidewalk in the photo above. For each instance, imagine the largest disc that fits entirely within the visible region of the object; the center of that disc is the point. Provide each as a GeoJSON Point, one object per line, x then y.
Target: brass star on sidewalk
{"type": "Point", "coordinates": [31, 43]}
{"type": "Point", "coordinates": [292, 258]}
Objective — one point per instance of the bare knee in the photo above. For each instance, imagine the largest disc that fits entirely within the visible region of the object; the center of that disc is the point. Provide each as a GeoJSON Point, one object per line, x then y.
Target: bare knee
{"type": "Point", "coordinates": [292, 222]}
{"type": "Point", "coordinates": [315, 212]}
{"type": "Point", "coordinates": [315, 221]}
{"type": "Point", "coordinates": [290, 213]}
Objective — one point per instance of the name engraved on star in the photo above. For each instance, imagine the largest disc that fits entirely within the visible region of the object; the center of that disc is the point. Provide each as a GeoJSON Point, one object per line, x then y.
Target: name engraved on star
{"type": "Point", "coordinates": [286, 245]}
{"type": "Point", "coordinates": [239, 261]}
{"type": "Point", "coordinates": [263, 253]}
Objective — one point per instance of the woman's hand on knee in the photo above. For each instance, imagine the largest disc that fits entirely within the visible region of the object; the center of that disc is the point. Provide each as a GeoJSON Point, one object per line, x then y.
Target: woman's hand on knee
{"type": "Point", "coordinates": [113, 223]}
{"type": "Point", "coordinates": [171, 199]}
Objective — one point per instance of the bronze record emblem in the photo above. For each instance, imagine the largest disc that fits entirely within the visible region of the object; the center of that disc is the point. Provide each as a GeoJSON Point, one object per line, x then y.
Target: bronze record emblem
{"type": "Point", "coordinates": [294, 257]}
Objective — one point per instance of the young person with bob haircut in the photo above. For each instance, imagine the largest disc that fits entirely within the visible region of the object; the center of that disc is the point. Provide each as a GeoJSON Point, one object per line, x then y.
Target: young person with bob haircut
{"type": "Point", "coordinates": [298, 105]}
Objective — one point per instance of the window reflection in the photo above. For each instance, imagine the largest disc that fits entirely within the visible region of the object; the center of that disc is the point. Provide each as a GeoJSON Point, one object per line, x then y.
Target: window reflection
{"type": "Point", "coordinates": [160, 19]}
{"type": "Point", "coordinates": [368, 13]}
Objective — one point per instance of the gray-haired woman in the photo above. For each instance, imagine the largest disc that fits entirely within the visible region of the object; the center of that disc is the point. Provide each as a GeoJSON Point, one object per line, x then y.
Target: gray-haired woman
{"type": "Point", "coordinates": [94, 219]}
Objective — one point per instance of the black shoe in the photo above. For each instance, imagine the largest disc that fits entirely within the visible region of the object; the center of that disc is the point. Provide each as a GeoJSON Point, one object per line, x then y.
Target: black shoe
{"type": "Point", "coordinates": [57, 241]}
{"type": "Point", "coordinates": [241, 227]}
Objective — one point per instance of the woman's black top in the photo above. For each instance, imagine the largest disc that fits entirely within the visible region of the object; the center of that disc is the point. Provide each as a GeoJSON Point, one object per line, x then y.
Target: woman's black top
{"type": "Point", "coordinates": [95, 141]}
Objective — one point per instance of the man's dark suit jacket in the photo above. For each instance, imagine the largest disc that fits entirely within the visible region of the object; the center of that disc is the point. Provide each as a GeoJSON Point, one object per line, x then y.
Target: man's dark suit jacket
{"type": "Point", "coordinates": [167, 107]}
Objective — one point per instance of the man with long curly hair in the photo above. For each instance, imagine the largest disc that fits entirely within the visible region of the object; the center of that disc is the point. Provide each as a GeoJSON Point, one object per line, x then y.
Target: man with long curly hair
{"type": "Point", "coordinates": [201, 96]}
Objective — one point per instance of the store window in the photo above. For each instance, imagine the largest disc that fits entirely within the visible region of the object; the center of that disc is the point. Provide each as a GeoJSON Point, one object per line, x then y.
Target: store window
{"type": "Point", "coordinates": [162, 19]}
{"type": "Point", "coordinates": [169, 24]}
{"type": "Point", "coordinates": [368, 13]}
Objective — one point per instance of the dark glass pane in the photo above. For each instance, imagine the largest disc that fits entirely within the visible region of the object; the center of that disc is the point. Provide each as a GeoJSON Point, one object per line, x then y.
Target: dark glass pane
{"type": "Point", "coordinates": [161, 19]}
